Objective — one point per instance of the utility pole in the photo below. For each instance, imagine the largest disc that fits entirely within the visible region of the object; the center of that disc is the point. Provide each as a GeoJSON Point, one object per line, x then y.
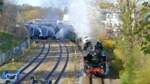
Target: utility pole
{"type": "Point", "coordinates": [1, 6]}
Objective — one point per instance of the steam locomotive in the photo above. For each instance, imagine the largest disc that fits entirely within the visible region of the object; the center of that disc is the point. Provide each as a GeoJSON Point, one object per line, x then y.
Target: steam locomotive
{"type": "Point", "coordinates": [95, 60]}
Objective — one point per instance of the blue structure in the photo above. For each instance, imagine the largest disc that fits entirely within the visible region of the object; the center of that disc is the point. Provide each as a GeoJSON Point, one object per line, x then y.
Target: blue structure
{"type": "Point", "coordinates": [44, 29]}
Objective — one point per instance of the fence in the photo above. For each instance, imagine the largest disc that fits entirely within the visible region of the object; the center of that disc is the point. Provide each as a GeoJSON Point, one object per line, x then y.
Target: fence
{"type": "Point", "coordinates": [15, 52]}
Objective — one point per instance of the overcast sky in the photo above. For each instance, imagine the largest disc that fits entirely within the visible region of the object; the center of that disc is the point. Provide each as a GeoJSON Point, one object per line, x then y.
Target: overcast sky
{"type": "Point", "coordinates": [43, 3]}
{"type": "Point", "coordinates": [46, 3]}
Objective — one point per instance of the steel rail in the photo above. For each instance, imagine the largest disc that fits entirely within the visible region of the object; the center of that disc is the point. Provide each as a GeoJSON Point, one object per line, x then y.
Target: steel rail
{"type": "Point", "coordinates": [33, 69]}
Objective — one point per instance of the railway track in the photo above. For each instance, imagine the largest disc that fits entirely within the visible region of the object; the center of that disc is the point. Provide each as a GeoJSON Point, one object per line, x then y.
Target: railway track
{"type": "Point", "coordinates": [48, 79]}
{"type": "Point", "coordinates": [40, 58]}
{"type": "Point", "coordinates": [64, 68]}
{"type": "Point", "coordinates": [56, 65]}
{"type": "Point", "coordinates": [32, 61]}
{"type": "Point", "coordinates": [91, 80]}
{"type": "Point", "coordinates": [31, 67]}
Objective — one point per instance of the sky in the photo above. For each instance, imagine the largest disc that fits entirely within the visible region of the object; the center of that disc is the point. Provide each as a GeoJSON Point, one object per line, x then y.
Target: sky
{"type": "Point", "coordinates": [46, 3]}
{"type": "Point", "coordinates": [43, 3]}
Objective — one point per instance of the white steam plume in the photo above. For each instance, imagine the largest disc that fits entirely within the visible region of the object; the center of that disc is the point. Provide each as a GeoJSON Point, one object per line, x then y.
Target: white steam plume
{"type": "Point", "coordinates": [78, 16]}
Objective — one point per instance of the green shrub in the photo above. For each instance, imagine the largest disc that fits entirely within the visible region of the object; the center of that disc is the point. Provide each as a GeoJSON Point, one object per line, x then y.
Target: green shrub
{"type": "Point", "coordinates": [7, 41]}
